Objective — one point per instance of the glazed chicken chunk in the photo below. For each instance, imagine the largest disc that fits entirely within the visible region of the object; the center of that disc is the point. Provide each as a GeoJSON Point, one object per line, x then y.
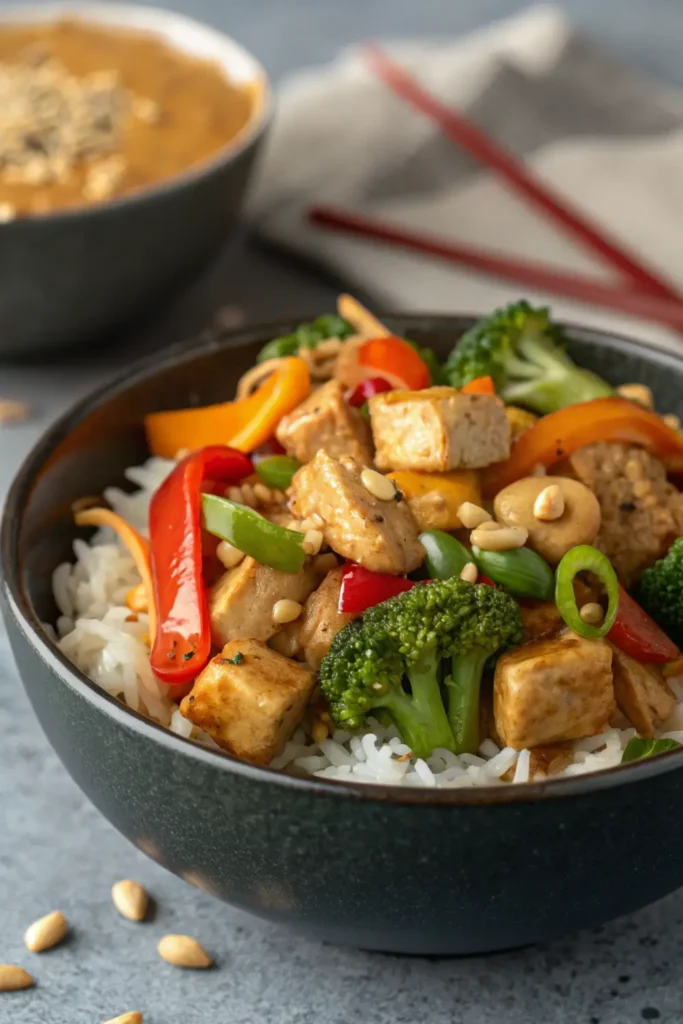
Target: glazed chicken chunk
{"type": "Point", "coordinates": [324, 420]}
{"type": "Point", "coordinates": [241, 603]}
{"type": "Point", "coordinates": [438, 429]}
{"type": "Point", "coordinates": [641, 692]}
{"type": "Point", "coordinates": [377, 533]}
{"type": "Point", "coordinates": [250, 700]}
{"type": "Point", "coordinates": [321, 620]}
{"type": "Point", "coordinates": [550, 691]}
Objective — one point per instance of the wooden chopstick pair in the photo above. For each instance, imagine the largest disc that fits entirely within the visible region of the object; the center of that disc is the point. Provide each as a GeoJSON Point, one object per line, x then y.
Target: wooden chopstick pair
{"type": "Point", "coordinates": [643, 293]}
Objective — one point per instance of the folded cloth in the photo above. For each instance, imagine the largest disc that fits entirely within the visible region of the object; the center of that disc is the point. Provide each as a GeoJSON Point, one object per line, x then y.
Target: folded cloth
{"type": "Point", "coordinates": [596, 130]}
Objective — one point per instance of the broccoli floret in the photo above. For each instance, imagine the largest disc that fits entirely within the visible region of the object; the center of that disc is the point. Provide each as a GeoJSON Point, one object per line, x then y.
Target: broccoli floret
{"type": "Point", "coordinates": [307, 336]}
{"type": "Point", "coordinates": [521, 349]}
{"type": "Point", "coordinates": [420, 657]}
{"type": "Point", "coordinates": [660, 592]}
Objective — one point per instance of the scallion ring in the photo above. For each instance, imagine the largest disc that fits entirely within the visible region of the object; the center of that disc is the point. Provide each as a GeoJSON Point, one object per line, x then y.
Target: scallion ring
{"type": "Point", "coordinates": [585, 558]}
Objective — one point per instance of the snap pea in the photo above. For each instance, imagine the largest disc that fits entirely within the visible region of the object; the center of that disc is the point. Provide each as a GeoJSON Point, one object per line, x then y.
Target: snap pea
{"type": "Point", "coordinates": [445, 556]}
{"type": "Point", "coordinates": [521, 571]}
{"type": "Point", "coordinates": [249, 532]}
{"type": "Point", "coordinates": [585, 558]}
{"type": "Point", "coordinates": [277, 470]}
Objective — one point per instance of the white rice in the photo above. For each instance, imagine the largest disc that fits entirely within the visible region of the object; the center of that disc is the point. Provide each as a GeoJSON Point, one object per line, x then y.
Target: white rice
{"type": "Point", "coordinates": [95, 631]}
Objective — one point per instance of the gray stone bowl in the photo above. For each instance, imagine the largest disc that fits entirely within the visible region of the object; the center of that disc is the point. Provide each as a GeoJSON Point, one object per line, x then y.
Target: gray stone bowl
{"type": "Point", "coordinates": [76, 276]}
{"type": "Point", "coordinates": [401, 870]}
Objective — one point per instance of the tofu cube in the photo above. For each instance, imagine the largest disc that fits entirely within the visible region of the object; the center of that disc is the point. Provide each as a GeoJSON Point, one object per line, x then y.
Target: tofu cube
{"type": "Point", "coordinates": [641, 692]}
{"type": "Point", "coordinates": [250, 700]}
{"type": "Point", "coordinates": [438, 429]}
{"type": "Point", "coordinates": [324, 420]}
{"type": "Point", "coordinates": [381, 535]}
{"type": "Point", "coordinates": [553, 690]}
{"type": "Point", "coordinates": [241, 603]}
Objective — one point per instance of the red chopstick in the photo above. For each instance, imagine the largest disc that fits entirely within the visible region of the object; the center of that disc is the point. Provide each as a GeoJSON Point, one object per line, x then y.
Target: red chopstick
{"type": "Point", "coordinates": [534, 275]}
{"type": "Point", "coordinates": [466, 134]}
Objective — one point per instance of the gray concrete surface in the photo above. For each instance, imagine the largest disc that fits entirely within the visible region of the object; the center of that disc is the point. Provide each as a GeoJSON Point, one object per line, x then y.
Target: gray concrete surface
{"type": "Point", "coordinates": [55, 849]}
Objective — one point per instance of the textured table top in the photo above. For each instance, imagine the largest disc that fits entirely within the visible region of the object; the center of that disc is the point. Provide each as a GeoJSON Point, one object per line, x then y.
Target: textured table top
{"type": "Point", "coordinates": [57, 852]}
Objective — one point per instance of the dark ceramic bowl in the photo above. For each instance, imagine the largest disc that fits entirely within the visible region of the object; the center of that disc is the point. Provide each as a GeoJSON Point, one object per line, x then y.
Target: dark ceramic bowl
{"type": "Point", "coordinates": [77, 275]}
{"type": "Point", "coordinates": [402, 870]}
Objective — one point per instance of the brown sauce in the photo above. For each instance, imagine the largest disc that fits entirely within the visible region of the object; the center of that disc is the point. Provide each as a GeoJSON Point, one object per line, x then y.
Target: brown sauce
{"type": "Point", "coordinates": [157, 113]}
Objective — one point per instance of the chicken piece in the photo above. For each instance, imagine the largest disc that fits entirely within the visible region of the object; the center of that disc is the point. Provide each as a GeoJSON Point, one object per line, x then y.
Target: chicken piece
{"type": "Point", "coordinates": [641, 693]}
{"type": "Point", "coordinates": [320, 620]}
{"type": "Point", "coordinates": [241, 603]}
{"type": "Point", "coordinates": [250, 700]}
{"type": "Point", "coordinates": [324, 420]}
{"type": "Point", "coordinates": [438, 429]}
{"type": "Point", "coordinates": [381, 535]}
{"type": "Point", "coordinates": [642, 513]}
{"type": "Point", "coordinates": [553, 690]}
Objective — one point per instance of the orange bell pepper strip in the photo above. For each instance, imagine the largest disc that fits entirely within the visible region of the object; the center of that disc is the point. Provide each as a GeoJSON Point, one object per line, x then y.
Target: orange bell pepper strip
{"type": "Point", "coordinates": [561, 433]}
{"type": "Point", "coordinates": [396, 361]}
{"type": "Point", "coordinates": [479, 386]}
{"type": "Point", "coordinates": [136, 545]}
{"type": "Point", "coordinates": [244, 424]}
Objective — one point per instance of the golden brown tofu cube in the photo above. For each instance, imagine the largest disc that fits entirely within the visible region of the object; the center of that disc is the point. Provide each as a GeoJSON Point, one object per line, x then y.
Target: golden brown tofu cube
{"type": "Point", "coordinates": [438, 429]}
{"type": "Point", "coordinates": [381, 535]}
{"type": "Point", "coordinates": [551, 691]}
{"type": "Point", "coordinates": [641, 692]}
{"type": "Point", "coordinates": [250, 700]}
{"type": "Point", "coordinates": [321, 621]}
{"type": "Point", "coordinates": [324, 420]}
{"type": "Point", "coordinates": [241, 603]}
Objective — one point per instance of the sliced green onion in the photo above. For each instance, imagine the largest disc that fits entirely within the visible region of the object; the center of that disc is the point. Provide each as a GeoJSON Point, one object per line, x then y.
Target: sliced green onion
{"type": "Point", "coordinates": [521, 571]}
{"type": "Point", "coordinates": [277, 470]}
{"type": "Point", "coordinates": [585, 558]}
{"type": "Point", "coordinates": [249, 532]}
{"type": "Point", "coordinates": [445, 556]}
{"type": "Point", "coordinates": [639, 749]}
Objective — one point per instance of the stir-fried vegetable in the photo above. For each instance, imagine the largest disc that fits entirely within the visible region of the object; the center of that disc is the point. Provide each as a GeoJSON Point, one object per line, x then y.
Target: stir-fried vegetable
{"type": "Point", "coordinates": [586, 558]}
{"type": "Point", "coordinates": [446, 626]}
{"type": "Point", "coordinates": [366, 390]}
{"type": "Point", "coordinates": [639, 636]}
{"type": "Point", "coordinates": [639, 749]}
{"type": "Point", "coordinates": [277, 470]}
{"type": "Point", "coordinates": [434, 498]}
{"type": "Point", "coordinates": [244, 424]}
{"type": "Point", "coordinates": [362, 589]}
{"type": "Point", "coordinates": [249, 532]}
{"type": "Point", "coordinates": [479, 386]}
{"type": "Point", "coordinates": [395, 360]}
{"type": "Point", "coordinates": [445, 556]}
{"type": "Point", "coordinates": [661, 591]}
{"type": "Point", "coordinates": [520, 349]}
{"type": "Point", "coordinates": [182, 642]}
{"type": "Point", "coordinates": [562, 433]}
{"type": "Point", "coordinates": [307, 336]}
{"type": "Point", "coordinates": [521, 571]}
{"type": "Point", "coordinates": [136, 545]}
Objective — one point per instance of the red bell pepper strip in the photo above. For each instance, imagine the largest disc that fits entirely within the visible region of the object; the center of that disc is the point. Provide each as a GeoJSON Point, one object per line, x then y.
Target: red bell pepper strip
{"type": "Point", "coordinates": [394, 358]}
{"type": "Point", "coordinates": [182, 643]}
{"type": "Point", "coordinates": [368, 389]}
{"type": "Point", "coordinates": [362, 589]}
{"type": "Point", "coordinates": [639, 636]}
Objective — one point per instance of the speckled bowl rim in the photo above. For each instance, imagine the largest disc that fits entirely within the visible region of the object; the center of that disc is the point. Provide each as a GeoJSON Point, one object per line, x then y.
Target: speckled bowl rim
{"type": "Point", "coordinates": [132, 17]}
{"type": "Point", "coordinates": [33, 632]}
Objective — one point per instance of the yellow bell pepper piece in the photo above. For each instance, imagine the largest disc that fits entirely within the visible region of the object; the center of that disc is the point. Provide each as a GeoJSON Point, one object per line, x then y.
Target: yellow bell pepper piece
{"type": "Point", "coordinates": [434, 498]}
{"type": "Point", "coordinates": [244, 424]}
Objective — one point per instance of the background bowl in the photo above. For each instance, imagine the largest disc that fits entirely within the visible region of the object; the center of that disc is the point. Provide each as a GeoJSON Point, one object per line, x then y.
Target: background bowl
{"type": "Point", "coordinates": [410, 871]}
{"type": "Point", "coordinates": [81, 273]}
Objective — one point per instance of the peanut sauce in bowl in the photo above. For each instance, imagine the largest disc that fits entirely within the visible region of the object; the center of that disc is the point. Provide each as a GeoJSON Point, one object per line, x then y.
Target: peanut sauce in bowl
{"type": "Point", "coordinates": [91, 112]}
